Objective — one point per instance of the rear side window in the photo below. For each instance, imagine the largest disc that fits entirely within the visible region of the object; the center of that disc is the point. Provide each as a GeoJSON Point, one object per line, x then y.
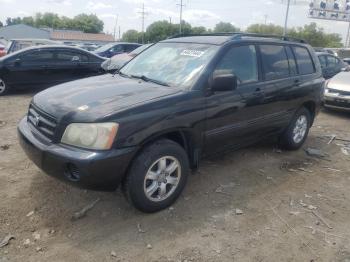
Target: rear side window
{"type": "Point", "coordinates": [323, 61]}
{"type": "Point", "coordinates": [275, 62]}
{"type": "Point", "coordinates": [304, 61]}
{"type": "Point", "coordinates": [70, 56]}
{"type": "Point", "coordinates": [242, 62]}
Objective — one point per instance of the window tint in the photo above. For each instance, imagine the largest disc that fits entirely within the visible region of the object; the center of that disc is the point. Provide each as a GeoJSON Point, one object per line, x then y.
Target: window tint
{"type": "Point", "coordinates": [332, 61]}
{"type": "Point", "coordinates": [69, 56]}
{"type": "Point", "coordinates": [304, 61]}
{"type": "Point", "coordinates": [38, 56]}
{"type": "Point", "coordinates": [240, 61]}
{"type": "Point", "coordinates": [117, 48]}
{"type": "Point", "coordinates": [291, 60]}
{"type": "Point", "coordinates": [323, 61]}
{"type": "Point", "coordinates": [275, 62]}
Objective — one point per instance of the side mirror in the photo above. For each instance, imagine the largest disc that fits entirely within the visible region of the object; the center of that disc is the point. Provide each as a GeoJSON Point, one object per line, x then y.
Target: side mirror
{"type": "Point", "coordinates": [224, 82]}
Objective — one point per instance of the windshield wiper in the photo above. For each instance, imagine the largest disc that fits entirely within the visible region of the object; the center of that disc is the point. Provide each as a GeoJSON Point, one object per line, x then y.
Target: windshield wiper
{"type": "Point", "coordinates": [147, 79]}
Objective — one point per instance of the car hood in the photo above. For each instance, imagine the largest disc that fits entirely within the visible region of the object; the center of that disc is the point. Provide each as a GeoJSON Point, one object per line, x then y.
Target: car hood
{"type": "Point", "coordinates": [340, 82]}
{"type": "Point", "coordinates": [98, 97]}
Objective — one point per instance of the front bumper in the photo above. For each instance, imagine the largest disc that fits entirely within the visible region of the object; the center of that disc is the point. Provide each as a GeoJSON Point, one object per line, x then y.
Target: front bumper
{"type": "Point", "coordinates": [336, 101]}
{"type": "Point", "coordinates": [97, 170]}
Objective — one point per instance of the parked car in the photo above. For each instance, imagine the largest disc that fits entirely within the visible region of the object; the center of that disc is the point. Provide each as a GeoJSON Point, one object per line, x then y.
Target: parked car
{"type": "Point", "coordinates": [113, 49]}
{"type": "Point", "coordinates": [331, 65]}
{"type": "Point", "coordinates": [15, 45]}
{"type": "Point", "coordinates": [337, 92]}
{"type": "Point", "coordinates": [2, 50]}
{"type": "Point", "coordinates": [113, 64]}
{"type": "Point", "coordinates": [347, 60]}
{"type": "Point", "coordinates": [46, 66]}
{"type": "Point", "coordinates": [178, 101]}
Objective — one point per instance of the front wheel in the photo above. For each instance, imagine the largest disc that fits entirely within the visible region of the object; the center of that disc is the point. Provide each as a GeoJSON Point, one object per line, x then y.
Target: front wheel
{"type": "Point", "coordinates": [295, 135]}
{"type": "Point", "coordinates": [157, 176]}
{"type": "Point", "coordinates": [4, 88]}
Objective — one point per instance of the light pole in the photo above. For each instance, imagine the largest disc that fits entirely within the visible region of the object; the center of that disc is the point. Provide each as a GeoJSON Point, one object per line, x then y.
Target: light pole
{"type": "Point", "coordinates": [286, 20]}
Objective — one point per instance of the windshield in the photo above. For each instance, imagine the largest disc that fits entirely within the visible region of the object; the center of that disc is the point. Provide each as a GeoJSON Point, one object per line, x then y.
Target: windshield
{"type": "Point", "coordinates": [175, 64]}
{"type": "Point", "coordinates": [104, 48]}
{"type": "Point", "coordinates": [139, 49]}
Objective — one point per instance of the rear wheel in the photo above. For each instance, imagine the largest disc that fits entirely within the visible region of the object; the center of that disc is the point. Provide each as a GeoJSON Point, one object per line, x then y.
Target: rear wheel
{"type": "Point", "coordinates": [4, 88]}
{"type": "Point", "coordinates": [297, 131]}
{"type": "Point", "coordinates": [157, 176]}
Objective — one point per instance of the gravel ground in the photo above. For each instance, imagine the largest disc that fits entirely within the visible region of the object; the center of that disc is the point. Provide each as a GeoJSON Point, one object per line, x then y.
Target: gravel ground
{"type": "Point", "coordinates": [256, 204]}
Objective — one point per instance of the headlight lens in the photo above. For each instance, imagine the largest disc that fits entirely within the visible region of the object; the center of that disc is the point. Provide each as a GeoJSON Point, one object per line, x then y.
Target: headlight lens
{"type": "Point", "coordinates": [98, 136]}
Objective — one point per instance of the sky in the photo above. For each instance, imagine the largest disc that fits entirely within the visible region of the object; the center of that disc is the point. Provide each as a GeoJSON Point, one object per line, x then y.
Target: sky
{"type": "Point", "coordinates": [206, 13]}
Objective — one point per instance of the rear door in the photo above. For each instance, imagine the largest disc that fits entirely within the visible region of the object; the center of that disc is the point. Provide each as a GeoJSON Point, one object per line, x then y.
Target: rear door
{"type": "Point", "coordinates": [280, 78]}
{"type": "Point", "coordinates": [235, 117]}
{"type": "Point", "coordinates": [334, 66]}
{"type": "Point", "coordinates": [34, 67]}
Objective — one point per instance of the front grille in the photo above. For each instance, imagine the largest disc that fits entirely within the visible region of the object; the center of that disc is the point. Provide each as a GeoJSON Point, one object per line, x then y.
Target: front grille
{"type": "Point", "coordinates": [342, 93]}
{"type": "Point", "coordinates": [42, 122]}
{"type": "Point", "coordinates": [338, 104]}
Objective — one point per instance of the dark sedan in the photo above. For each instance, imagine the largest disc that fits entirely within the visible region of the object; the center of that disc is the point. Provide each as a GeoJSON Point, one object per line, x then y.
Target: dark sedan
{"type": "Point", "coordinates": [331, 65]}
{"type": "Point", "coordinates": [46, 66]}
{"type": "Point", "coordinates": [113, 49]}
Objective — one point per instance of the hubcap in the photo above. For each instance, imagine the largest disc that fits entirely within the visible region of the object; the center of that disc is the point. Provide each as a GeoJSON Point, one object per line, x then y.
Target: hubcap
{"type": "Point", "coordinates": [2, 86]}
{"type": "Point", "coordinates": [300, 129]}
{"type": "Point", "coordinates": [162, 178]}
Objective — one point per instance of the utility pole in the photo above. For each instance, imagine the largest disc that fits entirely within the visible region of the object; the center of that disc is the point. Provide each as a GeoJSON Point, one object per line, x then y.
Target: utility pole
{"type": "Point", "coordinates": [181, 8]}
{"type": "Point", "coordinates": [115, 26]}
{"type": "Point", "coordinates": [347, 42]}
{"type": "Point", "coordinates": [286, 21]}
{"type": "Point", "coordinates": [119, 33]}
{"type": "Point", "coordinates": [143, 15]}
{"type": "Point", "coordinates": [266, 16]}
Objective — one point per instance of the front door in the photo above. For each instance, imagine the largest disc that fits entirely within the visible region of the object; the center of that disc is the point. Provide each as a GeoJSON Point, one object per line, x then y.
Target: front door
{"type": "Point", "coordinates": [234, 118]}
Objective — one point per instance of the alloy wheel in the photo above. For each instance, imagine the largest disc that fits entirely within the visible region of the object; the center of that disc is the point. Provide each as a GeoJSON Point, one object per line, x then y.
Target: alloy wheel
{"type": "Point", "coordinates": [300, 129]}
{"type": "Point", "coordinates": [162, 178]}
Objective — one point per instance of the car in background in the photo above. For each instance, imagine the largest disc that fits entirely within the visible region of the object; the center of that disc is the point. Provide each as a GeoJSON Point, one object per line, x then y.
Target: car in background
{"type": "Point", "coordinates": [15, 45]}
{"type": "Point", "coordinates": [337, 92]}
{"type": "Point", "coordinates": [331, 65]}
{"type": "Point", "coordinates": [2, 50]}
{"type": "Point", "coordinates": [46, 66]}
{"type": "Point", "coordinates": [347, 61]}
{"type": "Point", "coordinates": [113, 49]}
{"type": "Point", "coordinates": [113, 64]}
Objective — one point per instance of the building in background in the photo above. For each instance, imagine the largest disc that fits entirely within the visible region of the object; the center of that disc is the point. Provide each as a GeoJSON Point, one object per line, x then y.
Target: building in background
{"type": "Point", "coordinates": [22, 31]}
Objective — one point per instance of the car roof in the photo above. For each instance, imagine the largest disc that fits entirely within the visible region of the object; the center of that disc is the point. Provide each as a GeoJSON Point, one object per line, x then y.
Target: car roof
{"type": "Point", "coordinates": [324, 53]}
{"type": "Point", "coordinates": [223, 38]}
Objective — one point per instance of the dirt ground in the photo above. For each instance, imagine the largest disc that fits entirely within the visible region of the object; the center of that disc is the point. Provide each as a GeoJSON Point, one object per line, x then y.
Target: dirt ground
{"type": "Point", "coordinates": [295, 207]}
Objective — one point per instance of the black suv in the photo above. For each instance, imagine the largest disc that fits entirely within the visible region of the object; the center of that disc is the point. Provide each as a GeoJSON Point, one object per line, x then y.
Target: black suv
{"type": "Point", "coordinates": [180, 100]}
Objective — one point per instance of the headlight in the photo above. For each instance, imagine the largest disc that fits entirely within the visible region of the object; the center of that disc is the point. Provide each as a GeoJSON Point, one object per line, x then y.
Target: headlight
{"type": "Point", "coordinates": [98, 136]}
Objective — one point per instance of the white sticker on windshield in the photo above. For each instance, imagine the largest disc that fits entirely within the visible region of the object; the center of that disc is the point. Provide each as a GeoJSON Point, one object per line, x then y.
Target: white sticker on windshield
{"type": "Point", "coordinates": [193, 53]}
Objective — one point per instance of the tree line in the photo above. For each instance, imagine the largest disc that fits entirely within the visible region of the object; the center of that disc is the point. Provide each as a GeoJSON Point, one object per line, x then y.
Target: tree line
{"type": "Point", "coordinates": [82, 22]}
{"type": "Point", "coordinates": [160, 30]}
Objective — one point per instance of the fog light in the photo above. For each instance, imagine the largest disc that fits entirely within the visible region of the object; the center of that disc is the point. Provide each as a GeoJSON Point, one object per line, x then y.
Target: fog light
{"type": "Point", "coordinates": [72, 172]}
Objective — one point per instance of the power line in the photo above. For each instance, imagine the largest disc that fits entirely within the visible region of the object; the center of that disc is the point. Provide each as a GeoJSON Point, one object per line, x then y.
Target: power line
{"type": "Point", "coordinates": [181, 8]}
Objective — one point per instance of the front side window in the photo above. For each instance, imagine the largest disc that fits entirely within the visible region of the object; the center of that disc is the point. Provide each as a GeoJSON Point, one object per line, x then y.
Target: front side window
{"type": "Point", "coordinates": [332, 61]}
{"type": "Point", "coordinates": [304, 60]}
{"type": "Point", "coordinates": [275, 62]}
{"type": "Point", "coordinates": [175, 64]}
{"type": "Point", "coordinates": [240, 61]}
{"type": "Point", "coordinates": [38, 56]}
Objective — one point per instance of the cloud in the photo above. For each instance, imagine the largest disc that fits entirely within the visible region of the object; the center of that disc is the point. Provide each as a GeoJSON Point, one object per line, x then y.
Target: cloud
{"type": "Point", "coordinates": [60, 2]}
{"type": "Point", "coordinates": [196, 15]}
{"type": "Point", "coordinates": [97, 5]}
{"type": "Point", "coordinates": [113, 16]}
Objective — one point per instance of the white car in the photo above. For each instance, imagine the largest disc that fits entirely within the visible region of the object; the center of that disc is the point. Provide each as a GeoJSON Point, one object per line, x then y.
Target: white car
{"type": "Point", "coordinates": [337, 92]}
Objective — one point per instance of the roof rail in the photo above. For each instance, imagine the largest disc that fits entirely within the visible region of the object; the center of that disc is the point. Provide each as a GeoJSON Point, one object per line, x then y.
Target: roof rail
{"type": "Point", "coordinates": [239, 35]}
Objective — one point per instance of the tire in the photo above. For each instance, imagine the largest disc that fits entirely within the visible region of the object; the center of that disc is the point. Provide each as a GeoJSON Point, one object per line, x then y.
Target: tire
{"type": "Point", "coordinates": [153, 171]}
{"type": "Point", "coordinates": [4, 88]}
{"type": "Point", "coordinates": [295, 135]}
